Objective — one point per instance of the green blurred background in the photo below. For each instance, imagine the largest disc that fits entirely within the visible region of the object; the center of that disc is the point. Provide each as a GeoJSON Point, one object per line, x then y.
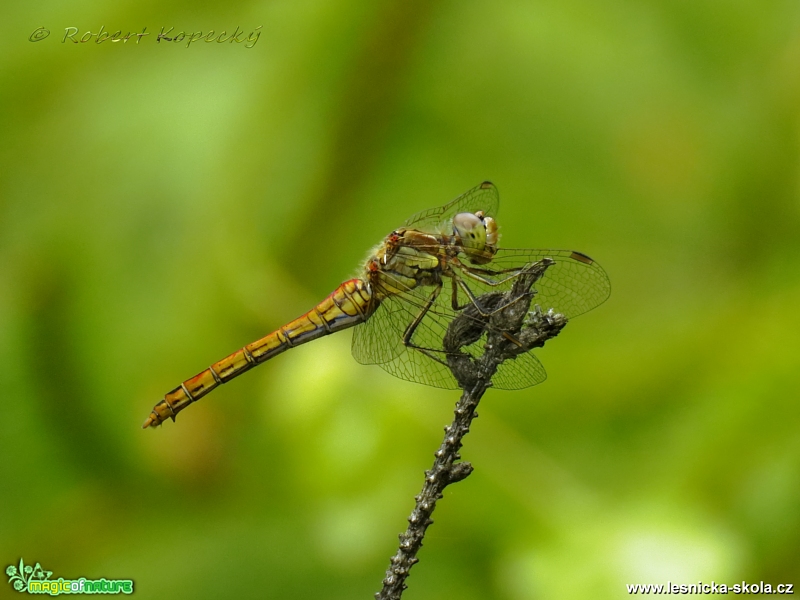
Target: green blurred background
{"type": "Point", "coordinates": [161, 206]}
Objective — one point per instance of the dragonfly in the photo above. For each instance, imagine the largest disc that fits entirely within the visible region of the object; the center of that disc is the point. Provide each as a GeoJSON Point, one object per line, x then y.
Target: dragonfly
{"type": "Point", "coordinates": [412, 286]}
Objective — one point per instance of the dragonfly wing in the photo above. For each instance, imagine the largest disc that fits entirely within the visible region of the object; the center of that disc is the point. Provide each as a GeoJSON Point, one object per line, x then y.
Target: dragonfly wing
{"type": "Point", "coordinates": [413, 364]}
{"type": "Point", "coordinates": [482, 197]}
{"type": "Point", "coordinates": [380, 338]}
{"type": "Point", "coordinates": [520, 372]}
{"type": "Point", "coordinates": [380, 341]}
{"type": "Point", "coordinates": [575, 284]}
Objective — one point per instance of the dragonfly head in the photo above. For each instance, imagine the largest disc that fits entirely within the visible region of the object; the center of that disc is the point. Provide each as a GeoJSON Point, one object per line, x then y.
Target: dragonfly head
{"type": "Point", "coordinates": [477, 235]}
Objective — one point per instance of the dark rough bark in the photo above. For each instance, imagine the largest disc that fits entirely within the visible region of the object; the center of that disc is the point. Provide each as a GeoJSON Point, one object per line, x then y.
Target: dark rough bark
{"type": "Point", "coordinates": [511, 329]}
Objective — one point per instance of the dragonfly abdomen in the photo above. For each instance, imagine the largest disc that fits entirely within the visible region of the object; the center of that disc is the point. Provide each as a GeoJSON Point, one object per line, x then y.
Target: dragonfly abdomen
{"type": "Point", "coordinates": [348, 305]}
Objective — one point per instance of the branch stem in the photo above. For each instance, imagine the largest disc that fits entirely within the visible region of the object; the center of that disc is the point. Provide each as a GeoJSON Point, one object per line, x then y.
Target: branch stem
{"type": "Point", "coordinates": [510, 329]}
{"type": "Point", "coordinates": [445, 470]}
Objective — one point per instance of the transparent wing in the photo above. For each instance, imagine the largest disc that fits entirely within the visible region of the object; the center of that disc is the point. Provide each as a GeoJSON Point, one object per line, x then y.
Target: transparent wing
{"type": "Point", "coordinates": [380, 341]}
{"type": "Point", "coordinates": [518, 373]}
{"type": "Point", "coordinates": [575, 284]}
{"type": "Point", "coordinates": [482, 197]}
{"type": "Point", "coordinates": [413, 364]}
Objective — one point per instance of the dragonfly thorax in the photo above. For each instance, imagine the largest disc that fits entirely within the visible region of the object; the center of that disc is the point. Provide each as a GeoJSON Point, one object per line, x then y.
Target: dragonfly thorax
{"type": "Point", "coordinates": [405, 260]}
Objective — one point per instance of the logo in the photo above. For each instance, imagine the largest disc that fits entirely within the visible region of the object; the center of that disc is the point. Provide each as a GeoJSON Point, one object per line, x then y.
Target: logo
{"type": "Point", "coordinates": [35, 580]}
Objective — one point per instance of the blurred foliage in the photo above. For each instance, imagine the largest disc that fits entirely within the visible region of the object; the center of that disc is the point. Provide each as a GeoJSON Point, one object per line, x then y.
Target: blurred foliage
{"type": "Point", "coordinates": [161, 206]}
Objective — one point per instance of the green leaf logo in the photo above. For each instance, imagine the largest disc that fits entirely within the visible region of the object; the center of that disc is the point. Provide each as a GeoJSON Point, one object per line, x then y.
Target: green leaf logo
{"type": "Point", "coordinates": [19, 577]}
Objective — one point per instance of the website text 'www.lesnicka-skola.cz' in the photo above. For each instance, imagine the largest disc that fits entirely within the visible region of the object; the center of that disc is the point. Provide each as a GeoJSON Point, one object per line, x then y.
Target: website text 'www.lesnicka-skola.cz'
{"type": "Point", "coordinates": [709, 588]}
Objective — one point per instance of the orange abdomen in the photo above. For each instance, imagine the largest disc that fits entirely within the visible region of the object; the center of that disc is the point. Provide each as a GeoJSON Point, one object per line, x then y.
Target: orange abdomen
{"type": "Point", "coordinates": [348, 305]}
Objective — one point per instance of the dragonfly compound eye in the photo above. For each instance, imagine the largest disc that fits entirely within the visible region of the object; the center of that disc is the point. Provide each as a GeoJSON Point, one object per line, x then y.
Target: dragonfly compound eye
{"type": "Point", "coordinates": [470, 230]}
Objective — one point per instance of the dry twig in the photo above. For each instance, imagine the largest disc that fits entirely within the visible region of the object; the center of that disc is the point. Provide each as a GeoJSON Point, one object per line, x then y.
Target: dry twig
{"type": "Point", "coordinates": [511, 329]}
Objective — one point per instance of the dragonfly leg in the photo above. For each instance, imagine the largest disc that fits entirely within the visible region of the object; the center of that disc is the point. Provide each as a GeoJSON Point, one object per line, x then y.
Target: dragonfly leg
{"type": "Point", "coordinates": [457, 281]}
{"type": "Point", "coordinates": [474, 300]}
{"type": "Point", "coordinates": [475, 273]}
{"type": "Point", "coordinates": [412, 328]}
{"type": "Point", "coordinates": [454, 297]}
